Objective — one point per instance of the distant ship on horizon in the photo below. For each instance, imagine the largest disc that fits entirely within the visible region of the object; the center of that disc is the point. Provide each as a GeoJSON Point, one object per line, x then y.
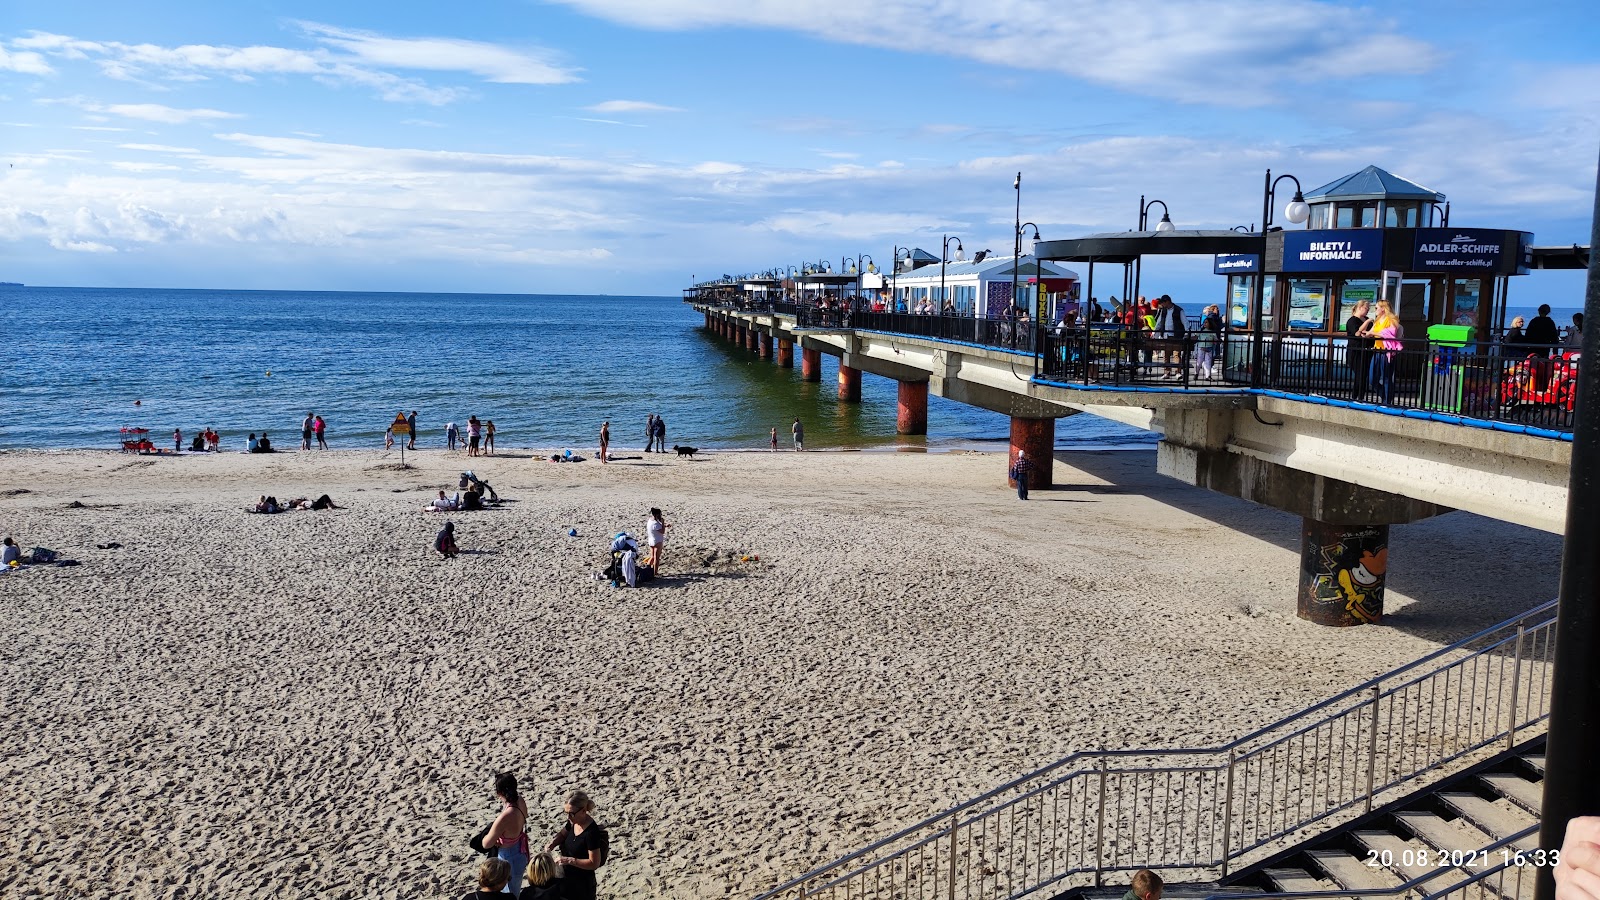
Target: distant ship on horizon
{"type": "Point", "coordinates": [11, 284]}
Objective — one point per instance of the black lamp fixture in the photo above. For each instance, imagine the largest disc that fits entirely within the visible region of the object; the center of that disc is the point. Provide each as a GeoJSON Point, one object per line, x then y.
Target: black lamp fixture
{"type": "Point", "coordinates": [1296, 211]}
{"type": "Point", "coordinates": [944, 252]}
{"type": "Point", "coordinates": [1164, 225]}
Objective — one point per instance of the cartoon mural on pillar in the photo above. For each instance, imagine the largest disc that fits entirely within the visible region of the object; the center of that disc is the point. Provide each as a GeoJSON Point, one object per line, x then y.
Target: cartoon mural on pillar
{"type": "Point", "coordinates": [1342, 573]}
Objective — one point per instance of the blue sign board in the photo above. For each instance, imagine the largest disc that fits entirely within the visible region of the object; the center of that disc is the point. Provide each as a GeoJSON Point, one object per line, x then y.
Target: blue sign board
{"type": "Point", "coordinates": [1333, 250]}
{"type": "Point", "coordinates": [1236, 264]}
{"type": "Point", "coordinates": [1454, 249]}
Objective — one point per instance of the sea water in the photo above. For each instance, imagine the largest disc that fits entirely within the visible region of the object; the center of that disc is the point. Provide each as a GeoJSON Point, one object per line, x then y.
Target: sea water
{"type": "Point", "coordinates": [81, 363]}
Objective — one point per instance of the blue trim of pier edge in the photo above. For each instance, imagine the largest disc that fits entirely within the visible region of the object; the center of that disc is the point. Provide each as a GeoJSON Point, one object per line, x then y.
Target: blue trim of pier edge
{"type": "Point", "coordinates": [1423, 414]}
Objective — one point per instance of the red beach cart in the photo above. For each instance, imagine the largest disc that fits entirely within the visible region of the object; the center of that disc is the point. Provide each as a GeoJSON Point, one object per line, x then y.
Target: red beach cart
{"type": "Point", "coordinates": [136, 440]}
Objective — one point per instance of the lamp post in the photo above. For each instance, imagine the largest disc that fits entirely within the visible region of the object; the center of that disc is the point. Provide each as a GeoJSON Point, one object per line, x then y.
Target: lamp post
{"type": "Point", "coordinates": [1434, 208]}
{"type": "Point", "coordinates": [944, 252]}
{"type": "Point", "coordinates": [1296, 212]}
{"type": "Point", "coordinates": [894, 273]}
{"type": "Point", "coordinates": [1162, 227]}
{"type": "Point", "coordinates": [858, 270]}
{"type": "Point", "coordinates": [1016, 258]}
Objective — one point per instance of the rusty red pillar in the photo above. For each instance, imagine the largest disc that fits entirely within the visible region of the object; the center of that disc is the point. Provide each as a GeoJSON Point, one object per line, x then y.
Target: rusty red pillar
{"type": "Point", "coordinates": [849, 384]}
{"type": "Point", "coordinates": [764, 345]}
{"type": "Point", "coordinates": [1038, 438]}
{"type": "Point", "coordinates": [750, 336]}
{"type": "Point", "coordinates": [912, 415]}
{"type": "Point", "coordinates": [786, 353]}
{"type": "Point", "coordinates": [810, 364]}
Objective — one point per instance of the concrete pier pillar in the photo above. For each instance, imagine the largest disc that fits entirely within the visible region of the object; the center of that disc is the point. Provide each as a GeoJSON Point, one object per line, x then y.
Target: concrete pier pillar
{"type": "Point", "coordinates": [810, 364]}
{"type": "Point", "coordinates": [786, 353]}
{"type": "Point", "coordinates": [912, 415]}
{"type": "Point", "coordinates": [750, 338]}
{"type": "Point", "coordinates": [764, 345]}
{"type": "Point", "coordinates": [1038, 438]}
{"type": "Point", "coordinates": [849, 384]}
{"type": "Point", "coordinates": [1342, 571]}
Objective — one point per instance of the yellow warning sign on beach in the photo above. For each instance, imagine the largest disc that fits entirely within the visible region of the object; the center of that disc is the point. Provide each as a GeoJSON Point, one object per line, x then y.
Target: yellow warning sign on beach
{"type": "Point", "coordinates": [400, 425]}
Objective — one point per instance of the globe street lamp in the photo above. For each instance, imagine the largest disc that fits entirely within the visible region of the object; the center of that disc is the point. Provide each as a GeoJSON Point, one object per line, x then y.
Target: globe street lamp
{"type": "Point", "coordinates": [1163, 226]}
{"type": "Point", "coordinates": [894, 272]}
{"type": "Point", "coordinates": [1016, 258]}
{"type": "Point", "coordinates": [1296, 212]}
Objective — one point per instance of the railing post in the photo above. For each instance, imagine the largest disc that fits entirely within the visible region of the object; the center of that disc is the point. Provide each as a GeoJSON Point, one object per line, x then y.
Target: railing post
{"type": "Point", "coordinates": [1372, 747]}
{"type": "Point", "coordinates": [1516, 687]}
{"type": "Point", "coordinates": [1227, 814]}
{"type": "Point", "coordinates": [954, 828]}
{"type": "Point", "coordinates": [1100, 825]}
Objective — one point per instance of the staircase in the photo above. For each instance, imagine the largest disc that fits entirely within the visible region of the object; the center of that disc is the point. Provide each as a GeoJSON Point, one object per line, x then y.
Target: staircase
{"type": "Point", "coordinates": [1386, 767]}
{"type": "Point", "coordinates": [1467, 832]}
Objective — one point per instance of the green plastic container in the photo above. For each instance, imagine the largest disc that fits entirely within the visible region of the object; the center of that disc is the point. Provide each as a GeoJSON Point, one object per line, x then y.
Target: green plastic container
{"type": "Point", "coordinates": [1452, 335]}
{"type": "Point", "coordinates": [1445, 380]}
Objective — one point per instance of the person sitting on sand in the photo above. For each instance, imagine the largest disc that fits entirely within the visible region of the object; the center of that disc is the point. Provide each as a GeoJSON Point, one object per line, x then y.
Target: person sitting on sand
{"type": "Point", "coordinates": [441, 503]}
{"type": "Point", "coordinates": [323, 502]}
{"type": "Point", "coordinates": [472, 500]}
{"type": "Point", "coordinates": [10, 554]}
{"type": "Point", "coordinates": [268, 504]}
{"type": "Point", "coordinates": [254, 443]}
{"type": "Point", "coordinates": [493, 875]}
{"type": "Point", "coordinates": [445, 543]}
{"type": "Point", "coordinates": [264, 445]}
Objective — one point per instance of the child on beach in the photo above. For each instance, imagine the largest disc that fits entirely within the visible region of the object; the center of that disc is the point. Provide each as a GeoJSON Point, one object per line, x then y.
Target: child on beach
{"type": "Point", "coordinates": [11, 554]}
{"type": "Point", "coordinates": [445, 543]}
{"type": "Point", "coordinates": [488, 437]}
{"type": "Point", "coordinates": [388, 438]}
{"type": "Point", "coordinates": [774, 439]}
{"type": "Point", "coordinates": [655, 530]}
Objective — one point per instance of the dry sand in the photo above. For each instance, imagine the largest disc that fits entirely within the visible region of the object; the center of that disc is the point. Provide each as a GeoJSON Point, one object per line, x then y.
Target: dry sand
{"type": "Point", "coordinates": [313, 704]}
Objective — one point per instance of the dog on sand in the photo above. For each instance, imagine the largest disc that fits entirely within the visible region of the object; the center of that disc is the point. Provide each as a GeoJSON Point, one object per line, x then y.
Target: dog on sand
{"type": "Point", "coordinates": [685, 451]}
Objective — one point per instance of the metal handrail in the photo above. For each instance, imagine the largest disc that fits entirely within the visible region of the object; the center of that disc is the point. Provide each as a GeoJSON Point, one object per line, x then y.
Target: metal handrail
{"type": "Point", "coordinates": [1226, 784]}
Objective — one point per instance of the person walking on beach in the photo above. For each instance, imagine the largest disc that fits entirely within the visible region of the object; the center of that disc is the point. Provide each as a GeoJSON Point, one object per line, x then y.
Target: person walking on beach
{"type": "Point", "coordinates": [474, 435]}
{"type": "Point", "coordinates": [488, 438]}
{"type": "Point", "coordinates": [445, 541]}
{"type": "Point", "coordinates": [774, 439]}
{"type": "Point", "coordinates": [305, 432]}
{"type": "Point", "coordinates": [509, 831]}
{"type": "Point", "coordinates": [411, 420]}
{"type": "Point", "coordinates": [661, 434]}
{"type": "Point", "coordinates": [650, 432]}
{"type": "Point", "coordinates": [319, 427]}
{"type": "Point", "coordinates": [1020, 470]}
{"type": "Point", "coordinates": [655, 530]}
{"type": "Point", "coordinates": [451, 434]}
{"type": "Point", "coordinates": [177, 440]}
{"type": "Point", "coordinates": [583, 845]}
{"type": "Point", "coordinates": [799, 432]}
{"type": "Point", "coordinates": [605, 441]}
{"type": "Point", "coordinates": [388, 437]}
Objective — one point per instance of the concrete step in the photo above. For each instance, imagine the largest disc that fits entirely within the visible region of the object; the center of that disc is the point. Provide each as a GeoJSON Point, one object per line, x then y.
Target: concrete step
{"type": "Point", "coordinates": [1534, 762]}
{"type": "Point", "coordinates": [1527, 794]}
{"type": "Point", "coordinates": [1407, 858]}
{"type": "Point", "coordinates": [1296, 880]}
{"type": "Point", "coordinates": [1350, 873]}
{"type": "Point", "coordinates": [1500, 819]}
{"type": "Point", "coordinates": [1455, 835]}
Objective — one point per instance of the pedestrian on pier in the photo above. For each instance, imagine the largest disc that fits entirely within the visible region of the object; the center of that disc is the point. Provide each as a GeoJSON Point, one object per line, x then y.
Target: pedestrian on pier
{"type": "Point", "coordinates": [1019, 473]}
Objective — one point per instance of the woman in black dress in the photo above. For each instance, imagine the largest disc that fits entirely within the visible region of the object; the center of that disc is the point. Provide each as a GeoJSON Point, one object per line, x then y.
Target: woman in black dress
{"type": "Point", "coordinates": [582, 845]}
{"type": "Point", "coordinates": [1358, 349]}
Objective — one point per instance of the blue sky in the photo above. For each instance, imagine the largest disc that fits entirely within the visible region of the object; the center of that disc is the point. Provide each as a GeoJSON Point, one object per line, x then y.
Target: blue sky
{"type": "Point", "coordinates": [623, 146]}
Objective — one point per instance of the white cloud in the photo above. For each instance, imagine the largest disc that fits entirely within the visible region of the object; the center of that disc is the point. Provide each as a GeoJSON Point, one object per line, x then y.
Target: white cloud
{"type": "Point", "coordinates": [343, 57]}
{"type": "Point", "coordinates": [155, 112]}
{"type": "Point", "coordinates": [630, 106]}
{"type": "Point", "coordinates": [82, 246]}
{"type": "Point", "coordinates": [492, 62]}
{"type": "Point", "coordinates": [1234, 52]}
{"type": "Point", "coordinates": [26, 62]}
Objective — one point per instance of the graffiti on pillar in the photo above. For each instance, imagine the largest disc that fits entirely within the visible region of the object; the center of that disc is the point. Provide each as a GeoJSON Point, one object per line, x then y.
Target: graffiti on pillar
{"type": "Point", "coordinates": [1351, 573]}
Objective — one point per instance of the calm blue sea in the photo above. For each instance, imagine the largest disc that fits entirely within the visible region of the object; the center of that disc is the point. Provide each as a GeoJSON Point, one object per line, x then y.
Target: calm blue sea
{"type": "Point", "coordinates": [546, 368]}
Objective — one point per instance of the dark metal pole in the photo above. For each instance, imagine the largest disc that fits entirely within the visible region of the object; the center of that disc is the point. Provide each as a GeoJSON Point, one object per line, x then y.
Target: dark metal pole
{"type": "Point", "coordinates": [1257, 344]}
{"type": "Point", "coordinates": [1016, 241]}
{"type": "Point", "coordinates": [1571, 786]}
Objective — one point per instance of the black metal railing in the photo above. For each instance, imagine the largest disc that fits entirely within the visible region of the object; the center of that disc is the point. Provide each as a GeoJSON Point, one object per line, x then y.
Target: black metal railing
{"type": "Point", "coordinates": [1493, 380]}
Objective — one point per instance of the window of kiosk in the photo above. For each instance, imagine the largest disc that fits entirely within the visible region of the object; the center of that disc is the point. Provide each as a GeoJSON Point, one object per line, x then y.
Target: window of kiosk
{"type": "Point", "coordinates": [1356, 215]}
{"type": "Point", "coordinates": [1308, 304]}
{"type": "Point", "coordinates": [1239, 288]}
{"type": "Point", "coordinates": [1466, 296]}
{"type": "Point", "coordinates": [1401, 215]}
{"type": "Point", "coordinates": [1353, 292]}
{"type": "Point", "coordinates": [1319, 216]}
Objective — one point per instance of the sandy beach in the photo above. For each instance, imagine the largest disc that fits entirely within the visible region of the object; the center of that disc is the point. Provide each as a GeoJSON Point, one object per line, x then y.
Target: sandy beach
{"type": "Point", "coordinates": [313, 704]}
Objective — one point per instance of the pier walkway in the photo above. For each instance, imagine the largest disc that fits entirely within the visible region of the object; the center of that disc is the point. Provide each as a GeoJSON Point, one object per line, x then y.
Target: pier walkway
{"type": "Point", "coordinates": [1449, 435]}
